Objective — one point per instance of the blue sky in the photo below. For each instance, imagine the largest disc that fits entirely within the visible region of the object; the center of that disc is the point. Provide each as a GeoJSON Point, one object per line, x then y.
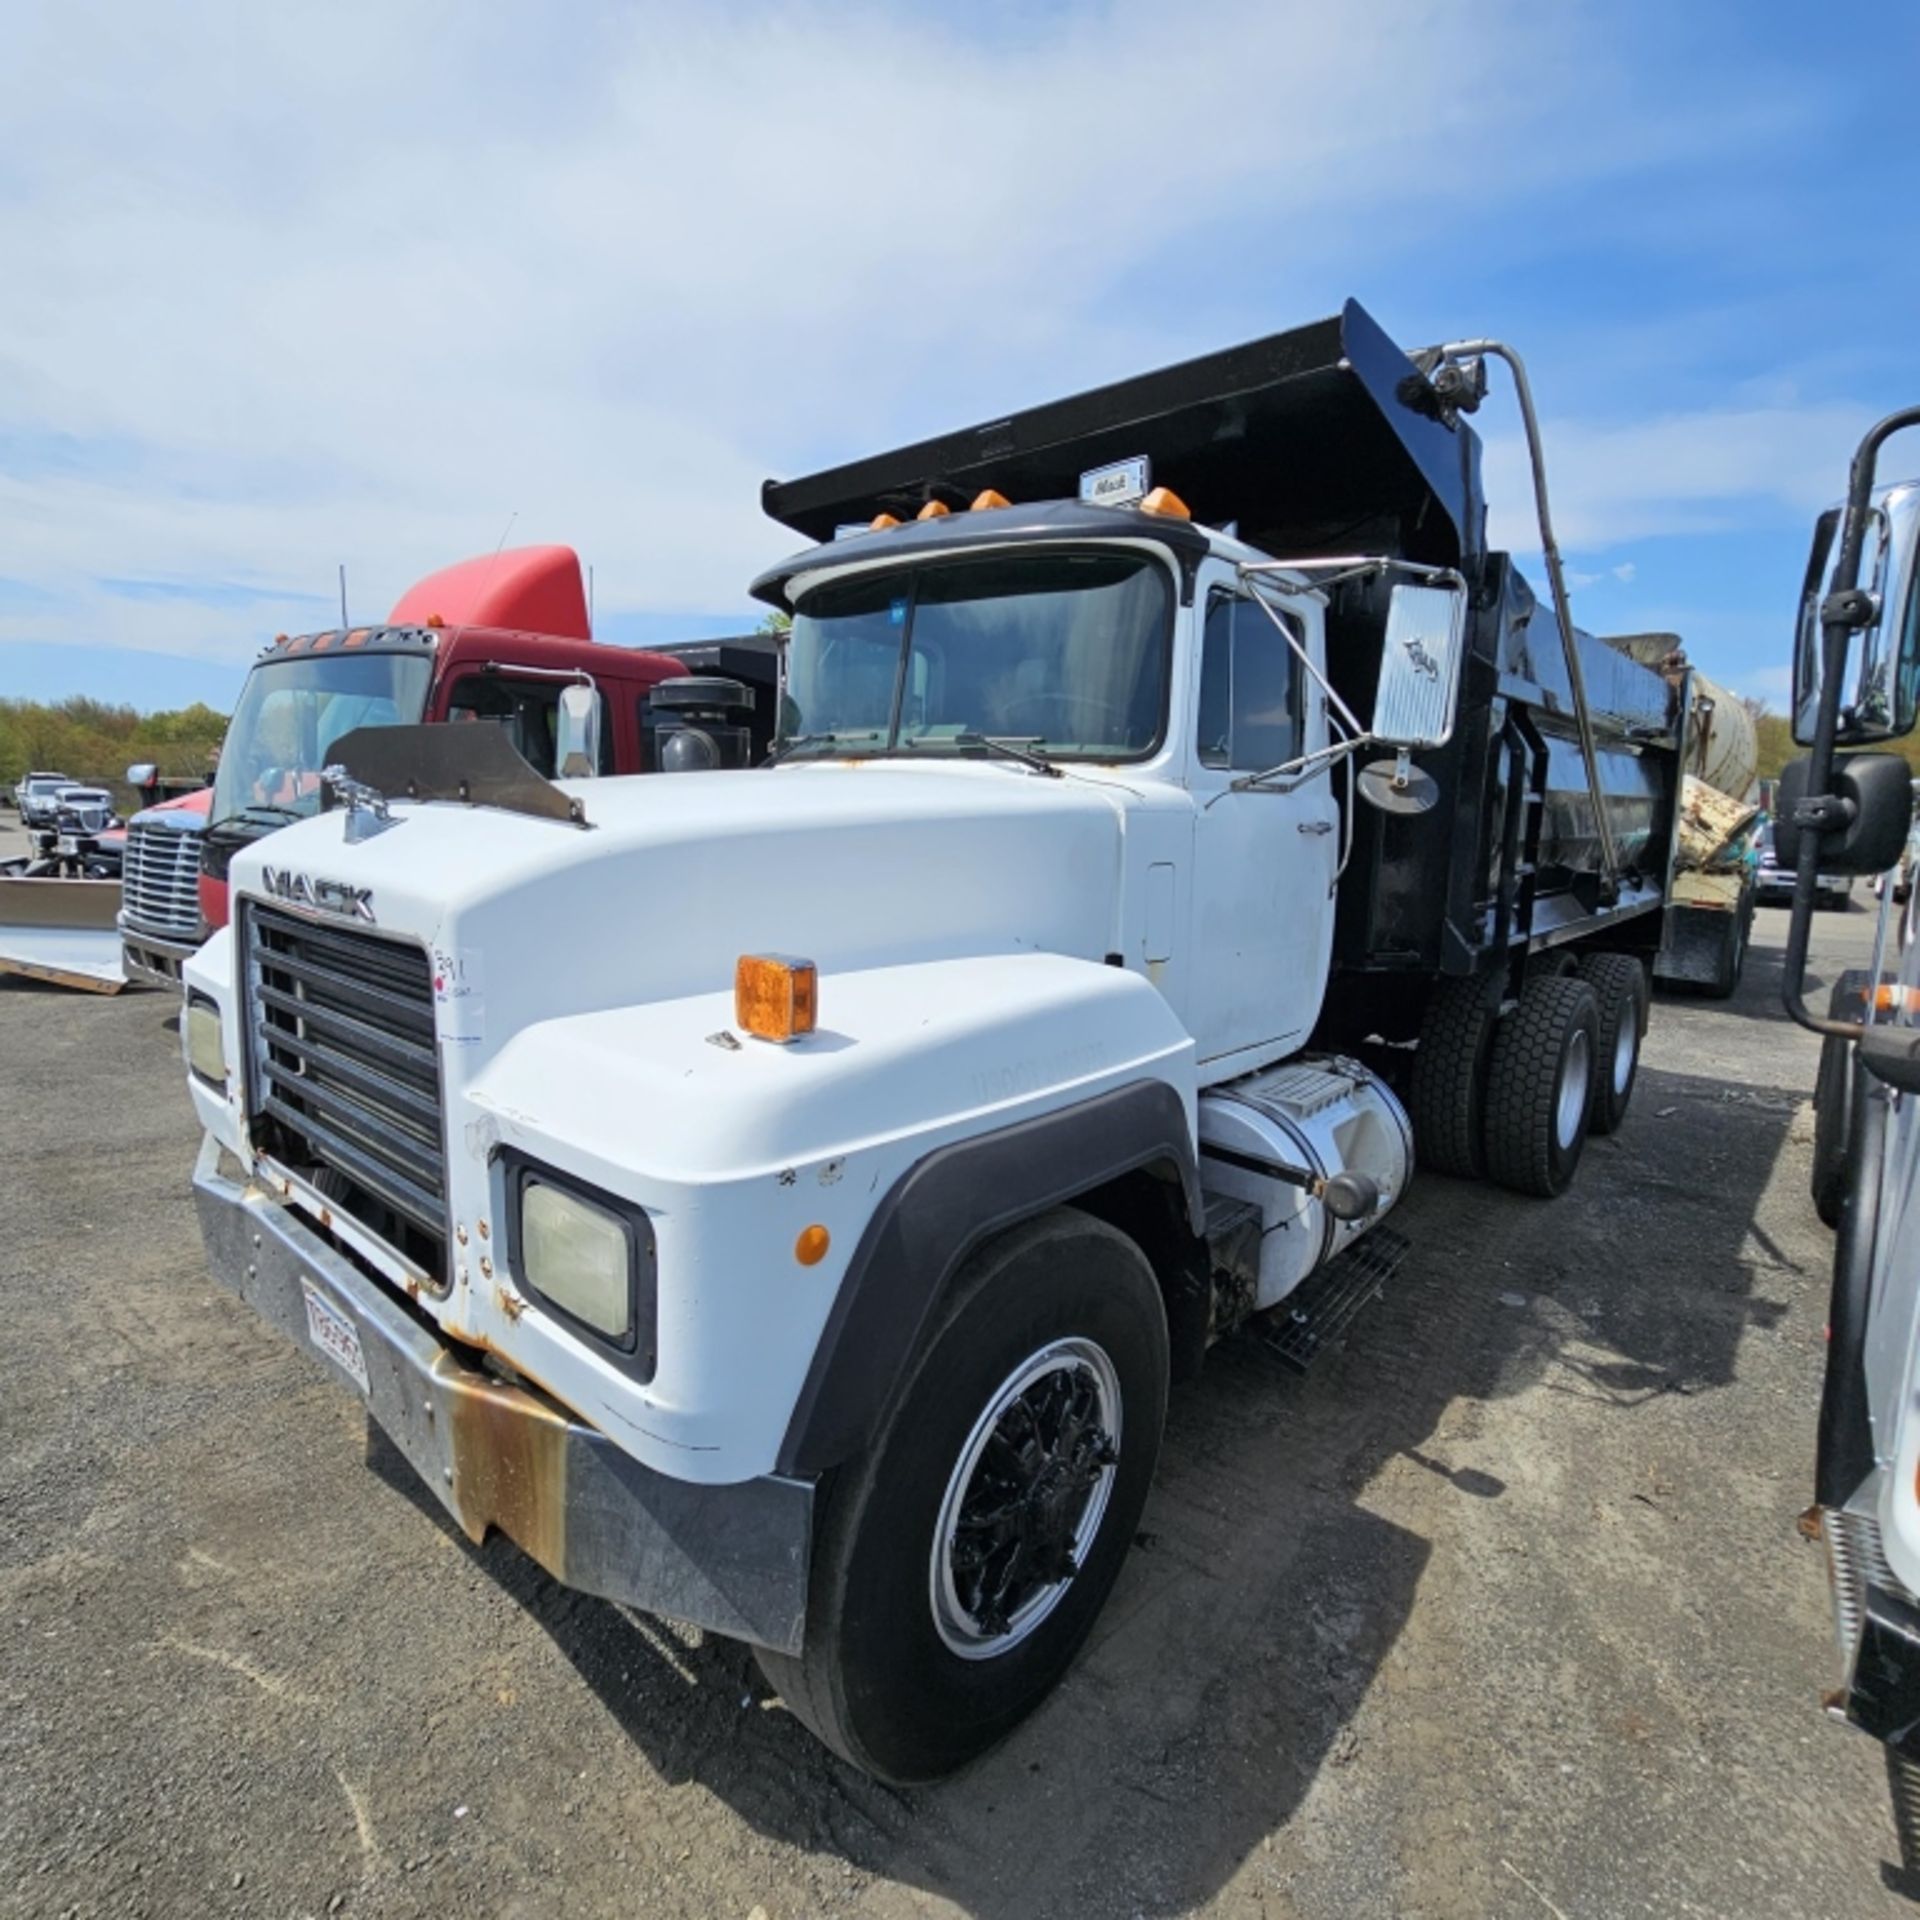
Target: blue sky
{"type": "Point", "coordinates": [369, 284]}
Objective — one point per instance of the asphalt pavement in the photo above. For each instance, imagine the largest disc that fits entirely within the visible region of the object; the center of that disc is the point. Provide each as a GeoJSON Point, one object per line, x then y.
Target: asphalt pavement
{"type": "Point", "coordinates": [1499, 1611]}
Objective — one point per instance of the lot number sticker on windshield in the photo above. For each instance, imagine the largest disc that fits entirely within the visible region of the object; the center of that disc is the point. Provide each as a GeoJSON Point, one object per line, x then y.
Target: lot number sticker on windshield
{"type": "Point", "coordinates": [334, 1334]}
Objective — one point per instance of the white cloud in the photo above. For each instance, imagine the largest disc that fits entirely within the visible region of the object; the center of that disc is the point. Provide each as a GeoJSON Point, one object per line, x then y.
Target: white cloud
{"type": "Point", "coordinates": [1773, 683]}
{"type": "Point", "coordinates": [1698, 472]}
{"type": "Point", "coordinates": [360, 281]}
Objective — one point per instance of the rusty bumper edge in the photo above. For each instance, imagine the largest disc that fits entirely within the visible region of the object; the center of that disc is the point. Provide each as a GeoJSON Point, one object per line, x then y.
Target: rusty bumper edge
{"type": "Point", "coordinates": [730, 1558]}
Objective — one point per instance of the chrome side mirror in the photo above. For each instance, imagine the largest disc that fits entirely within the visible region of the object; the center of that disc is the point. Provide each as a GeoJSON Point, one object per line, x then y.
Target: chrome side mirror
{"type": "Point", "coordinates": [1879, 694]}
{"type": "Point", "coordinates": [1420, 661]}
{"type": "Point", "coordinates": [576, 745]}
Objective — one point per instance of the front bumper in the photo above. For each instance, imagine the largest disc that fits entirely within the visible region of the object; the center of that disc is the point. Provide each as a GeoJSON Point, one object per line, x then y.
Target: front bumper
{"type": "Point", "coordinates": [152, 959]}
{"type": "Point", "coordinates": [730, 1558]}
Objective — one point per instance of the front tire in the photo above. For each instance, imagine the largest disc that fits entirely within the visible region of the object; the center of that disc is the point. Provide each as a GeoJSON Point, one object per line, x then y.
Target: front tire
{"type": "Point", "coordinates": [1540, 1086]}
{"type": "Point", "coordinates": [961, 1560]}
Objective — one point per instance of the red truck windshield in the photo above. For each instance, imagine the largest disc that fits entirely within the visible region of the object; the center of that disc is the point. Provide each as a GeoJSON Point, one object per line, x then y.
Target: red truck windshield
{"type": "Point", "coordinates": [290, 714]}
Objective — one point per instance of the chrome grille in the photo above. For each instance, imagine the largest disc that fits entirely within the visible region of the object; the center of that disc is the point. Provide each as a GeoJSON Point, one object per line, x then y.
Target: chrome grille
{"type": "Point", "coordinates": [159, 881]}
{"type": "Point", "coordinates": [344, 1072]}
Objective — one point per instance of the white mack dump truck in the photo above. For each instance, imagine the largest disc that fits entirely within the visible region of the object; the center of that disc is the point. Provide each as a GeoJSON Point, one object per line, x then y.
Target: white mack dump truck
{"type": "Point", "coordinates": [780, 1201]}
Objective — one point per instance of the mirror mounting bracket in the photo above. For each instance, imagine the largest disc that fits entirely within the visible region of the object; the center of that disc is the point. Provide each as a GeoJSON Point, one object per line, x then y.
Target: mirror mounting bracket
{"type": "Point", "coordinates": [1851, 607]}
{"type": "Point", "coordinates": [1824, 813]}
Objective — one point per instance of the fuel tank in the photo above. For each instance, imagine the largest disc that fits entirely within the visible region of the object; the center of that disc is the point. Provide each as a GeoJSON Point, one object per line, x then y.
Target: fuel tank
{"type": "Point", "coordinates": [1269, 1139]}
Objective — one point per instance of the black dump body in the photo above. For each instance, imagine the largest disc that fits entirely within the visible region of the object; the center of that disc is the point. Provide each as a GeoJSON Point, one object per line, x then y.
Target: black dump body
{"type": "Point", "coordinates": [1329, 440]}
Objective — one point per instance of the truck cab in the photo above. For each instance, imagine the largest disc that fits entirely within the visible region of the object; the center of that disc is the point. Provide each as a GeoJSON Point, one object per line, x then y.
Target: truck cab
{"type": "Point", "coordinates": [487, 641]}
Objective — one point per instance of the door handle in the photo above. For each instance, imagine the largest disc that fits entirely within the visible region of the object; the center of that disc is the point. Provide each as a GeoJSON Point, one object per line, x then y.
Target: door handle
{"type": "Point", "coordinates": [1316, 826]}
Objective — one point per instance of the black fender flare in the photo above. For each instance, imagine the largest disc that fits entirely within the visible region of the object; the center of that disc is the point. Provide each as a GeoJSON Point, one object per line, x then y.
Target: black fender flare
{"type": "Point", "coordinates": [936, 1213]}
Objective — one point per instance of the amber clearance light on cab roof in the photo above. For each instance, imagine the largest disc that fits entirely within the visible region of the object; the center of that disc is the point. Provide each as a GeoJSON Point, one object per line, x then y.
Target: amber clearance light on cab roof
{"type": "Point", "coordinates": [775, 997]}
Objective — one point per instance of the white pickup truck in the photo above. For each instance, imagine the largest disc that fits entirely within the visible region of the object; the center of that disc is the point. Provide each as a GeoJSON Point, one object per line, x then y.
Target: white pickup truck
{"type": "Point", "coordinates": [781, 1200]}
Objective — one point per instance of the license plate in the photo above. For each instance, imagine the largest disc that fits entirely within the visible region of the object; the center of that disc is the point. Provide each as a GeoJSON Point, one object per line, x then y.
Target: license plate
{"type": "Point", "coordinates": [334, 1334]}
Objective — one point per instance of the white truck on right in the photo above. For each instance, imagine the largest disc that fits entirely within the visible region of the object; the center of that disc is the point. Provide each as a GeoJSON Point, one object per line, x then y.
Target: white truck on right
{"type": "Point", "coordinates": [1857, 684]}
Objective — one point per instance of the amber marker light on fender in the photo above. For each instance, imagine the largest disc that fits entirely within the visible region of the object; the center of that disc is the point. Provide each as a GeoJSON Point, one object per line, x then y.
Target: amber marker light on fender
{"type": "Point", "coordinates": [775, 997]}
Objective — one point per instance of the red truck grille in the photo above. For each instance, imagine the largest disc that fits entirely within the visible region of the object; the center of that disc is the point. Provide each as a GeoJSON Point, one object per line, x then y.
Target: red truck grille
{"type": "Point", "coordinates": [159, 880]}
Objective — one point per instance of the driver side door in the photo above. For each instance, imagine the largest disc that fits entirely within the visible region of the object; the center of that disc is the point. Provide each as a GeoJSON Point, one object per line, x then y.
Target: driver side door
{"type": "Point", "coordinates": [1265, 859]}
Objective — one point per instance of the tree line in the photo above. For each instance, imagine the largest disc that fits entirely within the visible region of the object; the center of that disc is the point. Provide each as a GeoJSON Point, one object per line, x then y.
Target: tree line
{"type": "Point", "coordinates": [95, 741]}
{"type": "Point", "coordinates": [1776, 746]}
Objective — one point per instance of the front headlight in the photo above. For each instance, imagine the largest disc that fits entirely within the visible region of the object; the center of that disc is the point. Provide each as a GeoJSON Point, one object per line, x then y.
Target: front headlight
{"type": "Point", "coordinates": [578, 1257]}
{"type": "Point", "coordinates": [204, 1044]}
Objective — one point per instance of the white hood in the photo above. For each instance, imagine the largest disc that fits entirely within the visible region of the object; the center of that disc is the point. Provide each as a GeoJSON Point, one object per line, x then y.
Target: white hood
{"type": "Point", "coordinates": [849, 864]}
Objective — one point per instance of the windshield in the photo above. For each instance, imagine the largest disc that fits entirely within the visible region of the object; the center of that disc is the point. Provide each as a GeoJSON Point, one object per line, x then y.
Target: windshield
{"type": "Point", "coordinates": [290, 714]}
{"type": "Point", "coordinates": [1063, 651]}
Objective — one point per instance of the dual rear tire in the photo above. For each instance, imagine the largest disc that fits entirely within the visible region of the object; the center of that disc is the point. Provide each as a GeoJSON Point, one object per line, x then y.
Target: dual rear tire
{"type": "Point", "coordinates": [1515, 1098]}
{"type": "Point", "coordinates": [1540, 1082]}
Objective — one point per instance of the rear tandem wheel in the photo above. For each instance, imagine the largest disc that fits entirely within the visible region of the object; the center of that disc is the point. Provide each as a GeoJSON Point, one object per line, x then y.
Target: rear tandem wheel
{"type": "Point", "coordinates": [1619, 984]}
{"type": "Point", "coordinates": [1540, 1086]}
{"type": "Point", "coordinates": [1447, 1094]}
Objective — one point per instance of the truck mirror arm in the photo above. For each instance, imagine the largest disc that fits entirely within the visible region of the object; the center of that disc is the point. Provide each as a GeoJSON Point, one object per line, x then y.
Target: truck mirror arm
{"type": "Point", "coordinates": [1328, 571]}
{"type": "Point", "coordinates": [1247, 571]}
{"type": "Point", "coordinates": [1844, 610]}
{"type": "Point", "coordinates": [1335, 569]}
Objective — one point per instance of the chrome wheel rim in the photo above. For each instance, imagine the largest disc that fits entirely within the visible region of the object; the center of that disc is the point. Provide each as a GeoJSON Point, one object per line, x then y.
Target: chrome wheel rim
{"type": "Point", "coordinates": [1576, 1071]}
{"type": "Point", "coordinates": [1025, 1499]}
{"type": "Point", "coordinates": [1626, 1049]}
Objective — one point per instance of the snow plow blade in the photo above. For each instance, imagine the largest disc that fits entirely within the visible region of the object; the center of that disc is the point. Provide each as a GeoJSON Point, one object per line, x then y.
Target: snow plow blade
{"type": "Point", "coordinates": [62, 931]}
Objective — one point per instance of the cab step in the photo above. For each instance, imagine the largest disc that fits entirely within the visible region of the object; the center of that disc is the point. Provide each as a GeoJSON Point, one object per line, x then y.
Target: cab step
{"type": "Point", "coordinates": [1320, 1309]}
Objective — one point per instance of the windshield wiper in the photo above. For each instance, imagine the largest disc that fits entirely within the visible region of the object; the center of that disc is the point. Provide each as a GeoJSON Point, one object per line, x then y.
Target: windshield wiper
{"type": "Point", "coordinates": [1025, 749]}
{"type": "Point", "coordinates": [256, 807]}
{"type": "Point", "coordinates": [781, 748]}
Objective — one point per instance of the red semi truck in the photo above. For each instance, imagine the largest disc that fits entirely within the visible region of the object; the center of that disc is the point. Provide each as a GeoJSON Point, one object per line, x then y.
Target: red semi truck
{"type": "Point", "coordinates": [489, 639]}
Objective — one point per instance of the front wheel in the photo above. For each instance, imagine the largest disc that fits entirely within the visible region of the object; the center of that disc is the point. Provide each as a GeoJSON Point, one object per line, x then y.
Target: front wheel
{"type": "Point", "coordinates": [961, 1560]}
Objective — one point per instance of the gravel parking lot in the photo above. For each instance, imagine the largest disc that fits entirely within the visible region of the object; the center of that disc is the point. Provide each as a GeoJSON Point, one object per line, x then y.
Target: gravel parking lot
{"type": "Point", "coordinates": [1501, 1611]}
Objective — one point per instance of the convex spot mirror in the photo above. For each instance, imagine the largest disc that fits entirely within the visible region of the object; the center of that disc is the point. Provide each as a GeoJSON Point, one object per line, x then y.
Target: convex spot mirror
{"type": "Point", "coordinates": [1420, 665]}
{"type": "Point", "coordinates": [1879, 695]}
{"type": "Point", "coordinates": [1877, 791]}
{"type": "Point", "coordinates": [576, 746]}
